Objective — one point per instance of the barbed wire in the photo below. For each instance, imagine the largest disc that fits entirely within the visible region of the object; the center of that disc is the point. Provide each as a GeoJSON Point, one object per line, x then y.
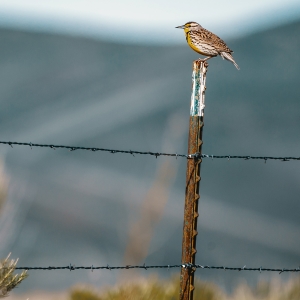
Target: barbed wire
{"type": "Point", "coordinates": [71, 267]}
{"type": "Point", "coordinates": [156, 154]}
{"type": "Point", "coordinates": [94, 149]}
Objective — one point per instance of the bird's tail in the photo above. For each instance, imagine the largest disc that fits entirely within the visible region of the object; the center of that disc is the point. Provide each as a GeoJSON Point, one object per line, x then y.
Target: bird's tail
{"type": "Point", "coordinates": [229, 57]}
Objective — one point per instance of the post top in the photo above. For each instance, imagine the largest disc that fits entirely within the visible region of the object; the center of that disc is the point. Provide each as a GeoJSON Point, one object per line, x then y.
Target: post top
{"type": "Point", "coordinates": [198, 62]}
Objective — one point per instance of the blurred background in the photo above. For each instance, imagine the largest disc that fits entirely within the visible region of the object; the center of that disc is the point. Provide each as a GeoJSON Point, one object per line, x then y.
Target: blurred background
{"type": "Point", "coordinates": [117, 74]}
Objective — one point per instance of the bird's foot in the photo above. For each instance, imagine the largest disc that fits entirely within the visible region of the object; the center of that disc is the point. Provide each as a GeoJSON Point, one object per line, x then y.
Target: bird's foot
{"type": "Point", "coordinates": [200, 60]}
{"type": "Point", "coordinates": [204, 59]}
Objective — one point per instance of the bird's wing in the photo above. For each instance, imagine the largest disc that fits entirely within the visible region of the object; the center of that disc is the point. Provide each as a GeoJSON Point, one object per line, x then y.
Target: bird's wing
{"type": "Point", "coordinates": [213, 39]}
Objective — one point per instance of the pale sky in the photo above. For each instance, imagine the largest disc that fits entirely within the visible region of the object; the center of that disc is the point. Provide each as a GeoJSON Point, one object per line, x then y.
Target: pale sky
{"type": "Point", "coordinates": [152, 21]}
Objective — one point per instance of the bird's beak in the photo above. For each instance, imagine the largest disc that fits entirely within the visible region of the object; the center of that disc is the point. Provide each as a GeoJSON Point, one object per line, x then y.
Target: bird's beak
{"type": "Point", "coordinates": [181, 27]}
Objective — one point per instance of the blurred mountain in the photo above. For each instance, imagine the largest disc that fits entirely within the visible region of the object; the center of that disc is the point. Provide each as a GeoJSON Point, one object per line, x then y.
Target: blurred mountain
{"type": "Point", "coordinates": [79, 207]}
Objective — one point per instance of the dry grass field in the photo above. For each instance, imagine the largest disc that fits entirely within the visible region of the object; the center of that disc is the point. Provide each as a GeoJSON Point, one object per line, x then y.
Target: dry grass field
{"type": "Point", "coordinates": [146, 289]}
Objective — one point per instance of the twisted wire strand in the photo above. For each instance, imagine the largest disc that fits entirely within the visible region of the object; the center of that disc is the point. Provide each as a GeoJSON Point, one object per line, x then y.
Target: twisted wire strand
{"type": "Point", "coordinates": [71, 267]}
{"type": "Point", "coordinates": [156, 154]}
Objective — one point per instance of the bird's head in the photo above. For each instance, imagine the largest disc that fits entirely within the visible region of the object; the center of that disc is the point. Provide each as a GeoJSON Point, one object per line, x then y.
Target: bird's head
{"type": "Point", "coordinates": [189, 26]}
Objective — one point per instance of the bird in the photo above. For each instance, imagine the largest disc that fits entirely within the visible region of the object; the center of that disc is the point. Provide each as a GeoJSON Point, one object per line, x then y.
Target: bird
{"type": "Point", "coordinates": [206, 43]}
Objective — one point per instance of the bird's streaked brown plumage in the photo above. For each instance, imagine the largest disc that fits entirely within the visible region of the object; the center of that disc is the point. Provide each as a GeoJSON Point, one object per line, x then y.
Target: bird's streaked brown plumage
{"type": "Point", "coordinates": [206, 43]}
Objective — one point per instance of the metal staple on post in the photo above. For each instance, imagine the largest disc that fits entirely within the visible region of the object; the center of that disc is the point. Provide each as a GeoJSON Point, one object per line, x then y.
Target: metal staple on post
{"type": "Point", "coordinates": [193, 180]}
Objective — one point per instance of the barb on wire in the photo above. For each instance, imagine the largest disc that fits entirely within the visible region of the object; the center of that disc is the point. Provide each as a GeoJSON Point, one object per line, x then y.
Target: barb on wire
{"type": "Point", "coordinates": [156, 154]}
{"type": "Point", "coordinates": [187, 265]}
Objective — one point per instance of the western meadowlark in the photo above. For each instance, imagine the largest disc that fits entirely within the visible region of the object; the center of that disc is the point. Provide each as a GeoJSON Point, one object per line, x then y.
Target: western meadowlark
{"type": "Point", "coordinates": [205, 42]}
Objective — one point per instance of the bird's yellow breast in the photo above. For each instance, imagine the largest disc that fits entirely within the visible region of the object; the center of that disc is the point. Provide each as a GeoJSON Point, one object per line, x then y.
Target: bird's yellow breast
{"type": "Point", "coordinates": [191, 44]}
